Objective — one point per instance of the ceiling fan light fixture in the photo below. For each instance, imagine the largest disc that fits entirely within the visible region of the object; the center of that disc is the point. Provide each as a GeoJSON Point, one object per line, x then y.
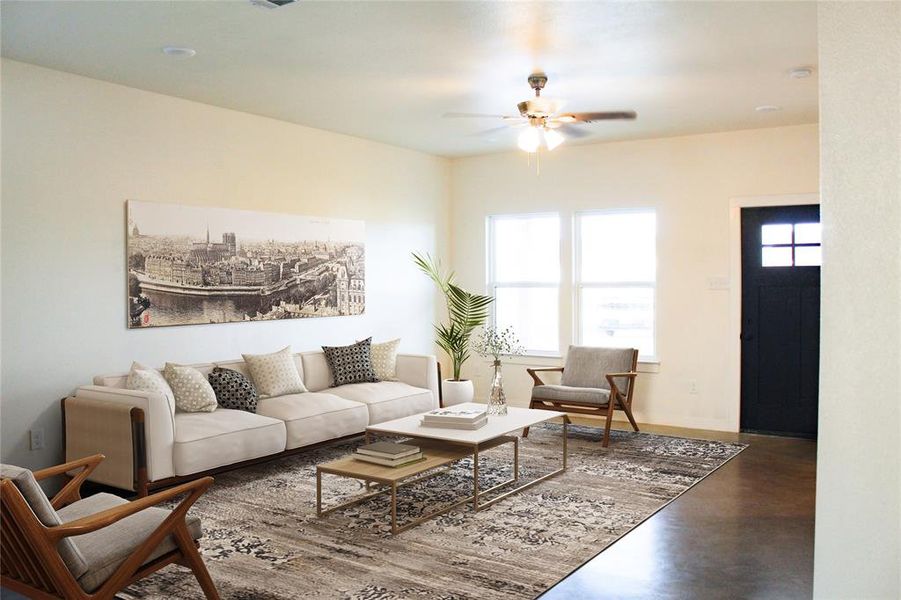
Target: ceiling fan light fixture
{"type": "Point", "coordinates": [552, 139]}
{"type": "Point", "coordinates": [529, 140]}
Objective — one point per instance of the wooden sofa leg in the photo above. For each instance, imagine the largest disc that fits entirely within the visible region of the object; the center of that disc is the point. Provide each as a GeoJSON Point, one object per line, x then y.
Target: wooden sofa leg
{"type": "Point", "coordinates": [195, 562]}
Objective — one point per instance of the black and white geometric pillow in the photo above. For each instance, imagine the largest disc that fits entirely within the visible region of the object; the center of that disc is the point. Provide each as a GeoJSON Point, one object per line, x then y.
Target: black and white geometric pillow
{"type": "Point", "coordinates": [350, 364]}
{"type": "Point", "coordinates": [233, 390]}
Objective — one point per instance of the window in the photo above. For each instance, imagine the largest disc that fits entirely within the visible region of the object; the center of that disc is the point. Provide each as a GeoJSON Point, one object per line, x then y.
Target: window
{"type": "Point", "coordinates": [787, 245]}
{"type": "Point", "coordinates": [524, 276]}
{"type": "Point", "coordinates": [616, 266]}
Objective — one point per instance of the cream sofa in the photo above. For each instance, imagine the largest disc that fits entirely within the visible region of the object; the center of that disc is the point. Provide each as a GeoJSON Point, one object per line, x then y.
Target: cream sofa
{"type": "Point", "coordinates": [172, 445]}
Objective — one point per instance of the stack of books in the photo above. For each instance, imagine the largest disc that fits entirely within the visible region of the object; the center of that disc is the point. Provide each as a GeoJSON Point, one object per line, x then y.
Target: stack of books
{"type": "Point", "coordinates": [456, 418]}
{"type": "Point", "coordinates": [389, 454]}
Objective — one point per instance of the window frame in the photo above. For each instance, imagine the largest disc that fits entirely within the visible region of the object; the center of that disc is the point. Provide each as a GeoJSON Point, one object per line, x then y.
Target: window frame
{"type": "Point", "coordinates": [578, 285]}
{"type": "Point", "coordinates": [493, 284]}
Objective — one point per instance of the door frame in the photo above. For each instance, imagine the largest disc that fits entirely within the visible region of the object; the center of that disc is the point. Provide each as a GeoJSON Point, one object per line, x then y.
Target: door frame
{"type": "Point", "coordinates": [735, 205]}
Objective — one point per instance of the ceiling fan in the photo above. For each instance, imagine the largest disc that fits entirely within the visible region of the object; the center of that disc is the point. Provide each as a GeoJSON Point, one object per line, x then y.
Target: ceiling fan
{"type": "Point", "coordinates": [544, 122]}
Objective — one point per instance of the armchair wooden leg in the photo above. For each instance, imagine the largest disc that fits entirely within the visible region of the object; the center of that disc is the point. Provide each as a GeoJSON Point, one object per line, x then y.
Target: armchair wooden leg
{"type": "Point", "coordinates": [606, 441]}
{"type": "Point", "coordinates": [195, 562]}
{"type": "Point", "coordinates": [525, 431]}
{"type": "Point", "coordinates": [628, 410]}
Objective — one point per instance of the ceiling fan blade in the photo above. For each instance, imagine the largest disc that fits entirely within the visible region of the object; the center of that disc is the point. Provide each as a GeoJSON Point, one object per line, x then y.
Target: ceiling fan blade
{"type": "Point", "coordinates": [588, 117]}
{"type": "Point", "coordinates": [489, 132]}
{"type": "Point", "coordinates": [465, 115]}
{"type": "Point", "coordinates": [573, 132]}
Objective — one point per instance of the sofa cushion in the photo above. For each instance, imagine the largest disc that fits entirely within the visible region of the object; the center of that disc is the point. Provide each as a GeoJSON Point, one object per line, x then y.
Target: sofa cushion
{"type": "Point", "coordinates": [315, 417]}
{"type": "Point", "coordinates": [145, 379]}
{"type": "Point", "coordinates": [565, 393]}
{"type": "Point", "coordinates": [222, 437]}
{"type": "Point", "coordinates": [275, 374]}
{"type": "Point", "coordinates": [388, 400]}
{"type": "Point", "coordinates": [350, 364]}
{"type": "Point", "coordinates": [233, 389]}
{"type": "Point", "coordinates": [193, 392]}
{"type": "Point", "coordinates": [384, 360]}
{"type": "Point", "coordinates": [316, 374]}
{"type": "Point", "coordinates": [107, 548]}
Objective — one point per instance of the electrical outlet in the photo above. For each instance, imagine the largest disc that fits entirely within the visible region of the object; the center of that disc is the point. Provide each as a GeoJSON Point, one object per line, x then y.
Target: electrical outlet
{"type": "Point", "coordinates": [693, 387]}
{"type": "Point", "coordinates": [36, 439]}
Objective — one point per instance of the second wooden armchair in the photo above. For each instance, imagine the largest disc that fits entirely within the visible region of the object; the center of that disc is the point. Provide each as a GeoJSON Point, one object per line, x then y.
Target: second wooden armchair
{"type": "Point", "coordinates": [82, 549]}
{"type": "Point", "coordinates": [595, 381]}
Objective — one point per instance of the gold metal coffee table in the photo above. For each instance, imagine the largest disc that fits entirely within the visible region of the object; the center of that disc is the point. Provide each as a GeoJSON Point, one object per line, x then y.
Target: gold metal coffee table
{"type": "Point", "coordinates": [440, 448]}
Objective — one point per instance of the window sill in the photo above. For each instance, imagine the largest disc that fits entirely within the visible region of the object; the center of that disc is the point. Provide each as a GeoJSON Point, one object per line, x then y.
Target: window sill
{"type": "Point", "coordinates": [543, 360]}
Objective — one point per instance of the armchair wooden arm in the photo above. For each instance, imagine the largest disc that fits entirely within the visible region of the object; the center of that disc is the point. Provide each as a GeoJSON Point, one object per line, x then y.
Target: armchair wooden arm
{"type": "Point", "coordinates": [616, 392]}
{"type": "Point", "coordinates": [71, 492]}
{"type": "Point", "coordinates": [537, 380]}
{"type": "Point", "coordinates": [109, 516]}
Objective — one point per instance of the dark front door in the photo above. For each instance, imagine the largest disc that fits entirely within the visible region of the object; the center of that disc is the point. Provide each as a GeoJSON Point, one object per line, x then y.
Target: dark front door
{"type": "Point", "coordinates": [780, 349]}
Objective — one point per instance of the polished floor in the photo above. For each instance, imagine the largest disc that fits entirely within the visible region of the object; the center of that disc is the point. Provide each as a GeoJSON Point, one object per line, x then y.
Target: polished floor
{"type": "Point", "coordinates": [746, 531]}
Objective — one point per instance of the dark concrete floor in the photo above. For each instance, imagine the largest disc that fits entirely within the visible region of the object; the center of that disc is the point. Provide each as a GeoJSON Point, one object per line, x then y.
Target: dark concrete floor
{"type": "Point", "coordinates": [746, 531]}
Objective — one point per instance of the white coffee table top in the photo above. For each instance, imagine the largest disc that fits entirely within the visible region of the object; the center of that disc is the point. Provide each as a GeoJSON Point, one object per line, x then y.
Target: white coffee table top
{"type": "Point", "coordinates": [516, 418]}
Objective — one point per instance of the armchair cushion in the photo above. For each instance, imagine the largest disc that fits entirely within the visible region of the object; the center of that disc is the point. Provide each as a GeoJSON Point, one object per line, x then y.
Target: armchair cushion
{"type": "Point", "coordinates": [39, 503]}
{"type": "Point", "coordinates": [563, 393]}
{"type": "Point", "coordinates": [586, 367]}
{"type": "Point", "coordinates": [107, 548]}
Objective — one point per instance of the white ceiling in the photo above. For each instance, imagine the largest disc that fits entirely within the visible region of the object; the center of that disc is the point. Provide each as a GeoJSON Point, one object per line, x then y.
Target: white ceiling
{"type": "Point", "coordinates": [388, 71]}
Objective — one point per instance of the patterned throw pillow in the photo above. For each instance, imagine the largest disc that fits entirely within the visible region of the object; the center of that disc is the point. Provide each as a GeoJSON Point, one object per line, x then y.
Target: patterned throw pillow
{"type": "Point", "coordinates": [145, 379]}
{"type": "Point", "coordinates": [350, 364]}
{"type": "Point", "coordinates": [384, 360]}
{"type": "Point", "coordinates": [193, 392]}
{"type": "Point", "coordinates": [233, 390]}
{"type": "Point", "coordinates": [275, 374]}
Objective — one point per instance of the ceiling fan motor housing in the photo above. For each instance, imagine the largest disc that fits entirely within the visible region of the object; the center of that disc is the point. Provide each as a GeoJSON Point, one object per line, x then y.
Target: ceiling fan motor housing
{"type": "Point", "coordinates": [537, 81]}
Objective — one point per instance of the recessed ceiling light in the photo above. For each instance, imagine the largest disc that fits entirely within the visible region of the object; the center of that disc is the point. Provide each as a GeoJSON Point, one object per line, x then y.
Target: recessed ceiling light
{"type": "Point", "coordinates": [765, 108]}
{"type": "Point", "coordinates": [801, 73]}
{"type": "Point", "coordinates": [179, 52]}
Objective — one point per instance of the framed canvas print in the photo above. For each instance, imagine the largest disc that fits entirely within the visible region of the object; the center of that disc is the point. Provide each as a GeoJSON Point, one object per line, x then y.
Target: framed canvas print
{"type": "Point", "coordinates": [192, 265]}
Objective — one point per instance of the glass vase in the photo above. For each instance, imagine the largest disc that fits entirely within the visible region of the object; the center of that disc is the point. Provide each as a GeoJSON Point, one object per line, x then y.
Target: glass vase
{"type": "Point", "coordinates": [497, 401]}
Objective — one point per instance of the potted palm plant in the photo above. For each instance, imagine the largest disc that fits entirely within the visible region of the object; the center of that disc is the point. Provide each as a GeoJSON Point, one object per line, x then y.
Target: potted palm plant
{"type": "Point", "coordinates": [465, 312]}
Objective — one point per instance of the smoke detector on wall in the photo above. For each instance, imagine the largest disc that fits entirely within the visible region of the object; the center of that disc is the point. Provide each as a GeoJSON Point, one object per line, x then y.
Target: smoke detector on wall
{"type": "Point", "coordinates": [271, 3]}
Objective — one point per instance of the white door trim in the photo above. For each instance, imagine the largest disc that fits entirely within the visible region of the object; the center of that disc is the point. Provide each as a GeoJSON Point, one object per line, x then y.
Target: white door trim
{"type": "Point", "coordinates": [735, 206]}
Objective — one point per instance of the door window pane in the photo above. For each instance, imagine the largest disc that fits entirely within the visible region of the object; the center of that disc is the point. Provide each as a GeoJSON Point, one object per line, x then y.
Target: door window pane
{"type": "Point", "coordinates": [526, 248]}
{"type": "Point", "coordinates": [619, 317]}
{"type": "Point", "coordinates": [533, 314]}
{"type": "Point", "coordinates": [808, 256]}
{"type": "Point", "coordinates": [777, 256]}
{"type": "Point", "coordinates": [618, 247]}
{"type": "Point", "coordinates": [776, 234]}
{"type": "Point", "coordinates": [808, 233]}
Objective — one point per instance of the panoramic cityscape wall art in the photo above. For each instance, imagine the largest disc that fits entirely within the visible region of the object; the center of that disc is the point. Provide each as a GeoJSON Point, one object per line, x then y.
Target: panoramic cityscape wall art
{"type": "Point", "coordinates": [191, 265]}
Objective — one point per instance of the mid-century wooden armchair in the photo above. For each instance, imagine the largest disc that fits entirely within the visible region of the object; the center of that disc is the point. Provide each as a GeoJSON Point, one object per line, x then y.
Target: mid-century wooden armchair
{"type": "Point", "coordinates": [118, 543]}
{"type": "Point", "coordinates": [595, 381]}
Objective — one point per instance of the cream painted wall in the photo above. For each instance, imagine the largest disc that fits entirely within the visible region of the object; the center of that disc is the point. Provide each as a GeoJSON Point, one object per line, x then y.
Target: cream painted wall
{"type": "Point", "coordinates": [689, 181]}
{"type": "Point", "coordinates": [75, 149]}
{"type": "Point", "coordinates": [858, 522]}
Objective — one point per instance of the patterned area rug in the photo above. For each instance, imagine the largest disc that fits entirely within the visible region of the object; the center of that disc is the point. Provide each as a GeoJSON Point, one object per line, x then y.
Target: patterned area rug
{"type": "Point", "coordinates": [262, 539]}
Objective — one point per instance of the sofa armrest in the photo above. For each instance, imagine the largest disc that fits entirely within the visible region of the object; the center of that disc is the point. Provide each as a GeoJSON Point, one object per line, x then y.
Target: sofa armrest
{"type": "Point", "coordinates": [159, 425]}
{"type": "Point", "coordinates": [420, 370]}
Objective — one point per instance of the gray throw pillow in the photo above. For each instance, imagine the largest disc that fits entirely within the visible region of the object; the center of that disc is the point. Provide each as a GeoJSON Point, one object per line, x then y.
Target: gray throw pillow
{"type": "Point", "coordinates": [350, 364]}
{"type": "Point", "coordinates": [233, 390]}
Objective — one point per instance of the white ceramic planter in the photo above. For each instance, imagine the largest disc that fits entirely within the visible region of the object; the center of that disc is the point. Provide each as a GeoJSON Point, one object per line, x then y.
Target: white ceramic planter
{"type": "Point", "coordinates": [457, 392]}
